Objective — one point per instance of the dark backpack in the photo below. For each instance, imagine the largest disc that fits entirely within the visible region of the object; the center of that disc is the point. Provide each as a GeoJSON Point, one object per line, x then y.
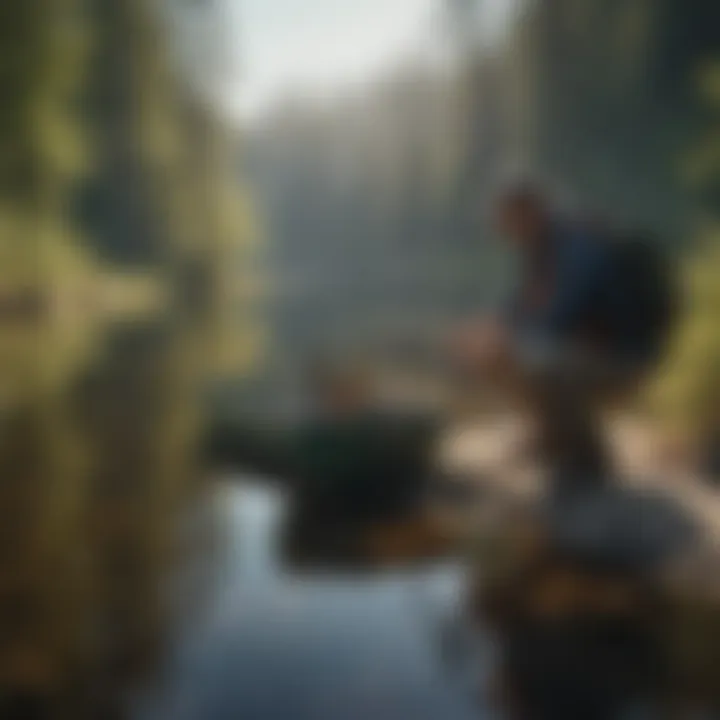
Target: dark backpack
{"type": "Point", "coordinates": [648, 279]}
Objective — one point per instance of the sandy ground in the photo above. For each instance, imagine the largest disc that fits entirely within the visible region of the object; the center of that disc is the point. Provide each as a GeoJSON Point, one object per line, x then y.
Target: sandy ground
{"type": "Point", "coordinates": [486, 454]}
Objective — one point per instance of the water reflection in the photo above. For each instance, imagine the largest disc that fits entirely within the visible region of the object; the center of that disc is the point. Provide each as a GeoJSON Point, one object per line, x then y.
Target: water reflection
{"type": "Point", "coordinates": [132, 585]}
{"type": "Point", "coordinates": [282, 641]}
{"type": "Point", "coordinates": [96, 455]}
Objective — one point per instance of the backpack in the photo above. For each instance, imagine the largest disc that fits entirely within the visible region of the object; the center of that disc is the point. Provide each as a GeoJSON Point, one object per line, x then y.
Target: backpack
{"type": "Point", "coordinates": [644, 268]}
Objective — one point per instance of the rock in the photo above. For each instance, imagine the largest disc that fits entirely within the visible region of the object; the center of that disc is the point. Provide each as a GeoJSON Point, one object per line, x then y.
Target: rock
{"type": "Point", "coordinates": [640, 530]}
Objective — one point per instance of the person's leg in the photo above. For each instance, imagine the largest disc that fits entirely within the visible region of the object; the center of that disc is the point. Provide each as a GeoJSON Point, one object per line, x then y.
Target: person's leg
{"type": "Point", "coordinates": [567, 398]}
{"type": "Point", "coordinates": [566, 407]}
{"type": "Point", "coordinates": [563, 391]}
{"type": "Point", "coordinates": [559, 394]}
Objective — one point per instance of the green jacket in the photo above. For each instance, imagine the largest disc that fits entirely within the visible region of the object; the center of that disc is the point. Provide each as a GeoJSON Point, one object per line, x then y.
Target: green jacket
{"type": "Point", "coordinates": [365, 466]}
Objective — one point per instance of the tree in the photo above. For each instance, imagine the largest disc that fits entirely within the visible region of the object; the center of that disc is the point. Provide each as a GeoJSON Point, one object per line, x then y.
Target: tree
{"type": "Point", "coordinates": [107, 161]}
{"type": "Point", "coordinates": [606, 87]}
{"type": "Point", "coordinates": [687, 395]}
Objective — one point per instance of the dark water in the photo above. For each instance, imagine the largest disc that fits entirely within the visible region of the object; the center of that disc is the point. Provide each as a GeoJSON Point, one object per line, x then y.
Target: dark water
{"type": "Point", "coordinates": [273, 643]}
{"type": "Point", "coordinates": [132, 586]}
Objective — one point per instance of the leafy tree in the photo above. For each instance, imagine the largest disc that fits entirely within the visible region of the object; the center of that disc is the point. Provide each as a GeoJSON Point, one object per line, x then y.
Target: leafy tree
{"type": "Point", "coordinates": [688, 393]}
{"type": "Point", "coordinates": [116, 195]}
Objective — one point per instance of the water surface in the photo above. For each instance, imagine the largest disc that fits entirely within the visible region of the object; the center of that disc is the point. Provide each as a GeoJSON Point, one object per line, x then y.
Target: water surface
{"type": "Point", "coordinates": [275, 644]}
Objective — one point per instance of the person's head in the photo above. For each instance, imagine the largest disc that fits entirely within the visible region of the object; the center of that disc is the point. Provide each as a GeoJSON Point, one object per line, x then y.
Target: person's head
{"type": "Point", "coordinates": [522, 214]}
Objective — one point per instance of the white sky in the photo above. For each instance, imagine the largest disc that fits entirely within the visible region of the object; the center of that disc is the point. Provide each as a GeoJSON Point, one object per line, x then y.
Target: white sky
{"type": "Point", "coordinates": [322, 46]}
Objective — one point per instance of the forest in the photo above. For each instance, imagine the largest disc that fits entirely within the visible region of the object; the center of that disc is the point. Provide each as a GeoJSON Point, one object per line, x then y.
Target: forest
{"type": "Point", "coordinates": [124, 236]}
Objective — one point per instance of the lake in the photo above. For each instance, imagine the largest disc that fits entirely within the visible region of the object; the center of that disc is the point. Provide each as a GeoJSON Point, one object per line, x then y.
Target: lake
{"type": "Point", "coordinates": [275, 643]}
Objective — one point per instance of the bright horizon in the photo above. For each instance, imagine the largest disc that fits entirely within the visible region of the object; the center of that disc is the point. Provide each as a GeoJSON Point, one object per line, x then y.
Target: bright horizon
{"type": "Point", "coordinates": [318, 48]}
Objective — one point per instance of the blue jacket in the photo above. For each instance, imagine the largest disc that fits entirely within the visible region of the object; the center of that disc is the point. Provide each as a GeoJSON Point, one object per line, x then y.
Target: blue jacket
{"type": "Point", "coordinates": [584, 298]}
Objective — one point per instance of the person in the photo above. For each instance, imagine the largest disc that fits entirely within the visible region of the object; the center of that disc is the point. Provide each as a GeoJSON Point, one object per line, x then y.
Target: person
{"type": "Point", "coordinates": [349, 462]}
{"type": "Point", "coordinates": [572, 337]}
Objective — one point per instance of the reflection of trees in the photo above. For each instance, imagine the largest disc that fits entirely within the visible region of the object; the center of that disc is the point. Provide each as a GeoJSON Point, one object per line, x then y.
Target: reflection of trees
{"type": "Point", "coordinates": [114, 198]}
{"type": "Point", "coordinates": [137, 415]}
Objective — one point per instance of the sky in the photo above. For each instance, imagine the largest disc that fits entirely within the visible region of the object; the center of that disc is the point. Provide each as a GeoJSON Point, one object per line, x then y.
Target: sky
{"type": "Point", "coordinates": [320, 47]}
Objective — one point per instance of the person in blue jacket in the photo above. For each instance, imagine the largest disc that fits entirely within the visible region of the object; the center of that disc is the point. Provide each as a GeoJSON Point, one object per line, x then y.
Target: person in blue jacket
{"type": "Point", "coordinates": [569, 338]}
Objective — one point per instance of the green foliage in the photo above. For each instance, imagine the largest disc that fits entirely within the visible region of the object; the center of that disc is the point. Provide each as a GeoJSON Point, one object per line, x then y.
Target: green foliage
{"type": "Point", "coordinates": [688, 392]}
{"type": "Point", "coordinates": [93, 108]}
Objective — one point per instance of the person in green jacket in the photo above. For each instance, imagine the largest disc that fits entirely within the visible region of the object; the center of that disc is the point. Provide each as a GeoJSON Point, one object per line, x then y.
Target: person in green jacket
{"type": "Point", "coordinates": [347, 458]}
